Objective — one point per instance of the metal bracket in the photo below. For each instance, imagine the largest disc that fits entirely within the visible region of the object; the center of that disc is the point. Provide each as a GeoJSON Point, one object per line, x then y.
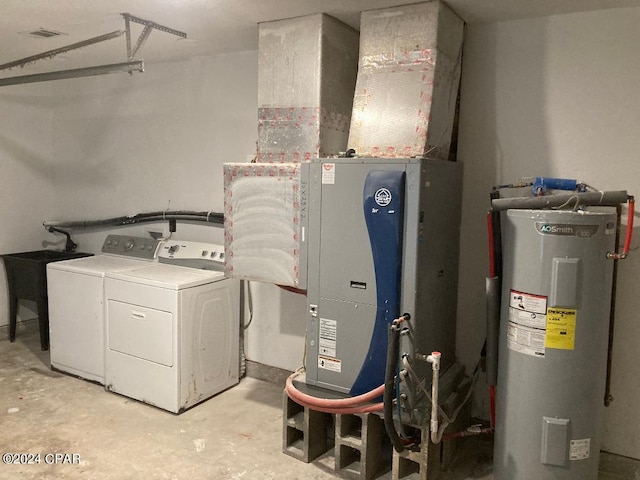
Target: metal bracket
{"type": "Point", "coordinates": [148, 27]}
{"type": "Point", "coordinates": [52, 53]}
{"type": "Point", "coordinates": [130, 66]}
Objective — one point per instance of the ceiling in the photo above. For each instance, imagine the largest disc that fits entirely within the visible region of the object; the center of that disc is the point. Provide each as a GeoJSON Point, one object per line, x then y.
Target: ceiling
{"type": "Point", "coordinates": [212, 26]}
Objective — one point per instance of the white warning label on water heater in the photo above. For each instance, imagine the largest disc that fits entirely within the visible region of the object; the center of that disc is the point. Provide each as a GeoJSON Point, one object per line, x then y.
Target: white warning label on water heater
{"type": "Point", "coordinates": [527, 323]}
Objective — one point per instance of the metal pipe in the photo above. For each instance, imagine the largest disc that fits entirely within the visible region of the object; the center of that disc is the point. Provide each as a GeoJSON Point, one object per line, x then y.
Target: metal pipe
{"type": "Point", "coordinates": [492, 295]}
{"type": "Point", "coordinates": [608, 397]}
{"type": "Point", "coordinates": [492, 292]}
{"type": "Point", "coordinates": [70, 245]}
{"type": "Point", "coordinates": [56, 51]}
{"type": "Point", "coordinates": [74, 73]}
{"type": "Point", "coordinates": [629, 235]}
{"type": "Point", "coordinates": [496, 233]}
{"type": "Point", "coordinates": [561, 200]}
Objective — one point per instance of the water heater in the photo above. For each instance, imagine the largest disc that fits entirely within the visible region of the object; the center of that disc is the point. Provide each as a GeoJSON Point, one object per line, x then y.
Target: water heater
{"type": "Point", "coordinates": [556, 297]}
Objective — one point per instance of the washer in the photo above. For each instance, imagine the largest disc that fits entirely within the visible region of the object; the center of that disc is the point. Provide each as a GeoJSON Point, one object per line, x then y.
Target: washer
{"type": "Point", "coordinates": [75, 289]}
{"type": "Point", "coordinates": [173, 328]}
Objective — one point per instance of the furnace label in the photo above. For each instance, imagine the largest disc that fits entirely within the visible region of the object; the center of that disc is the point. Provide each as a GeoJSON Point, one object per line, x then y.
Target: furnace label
{"type": "Point", "coordinates": [527, 323]}
{"type": "Point", "coordinates": [328, 173]}
{"type": "Point", "coordinates": [561, 328]}
{"type": "Point", "coordinates": [328, 336]}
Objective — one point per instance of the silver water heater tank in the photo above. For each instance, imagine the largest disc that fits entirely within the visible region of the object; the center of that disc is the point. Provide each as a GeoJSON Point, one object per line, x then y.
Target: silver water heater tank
{"type": "Point", "coordinates": [556, 300]}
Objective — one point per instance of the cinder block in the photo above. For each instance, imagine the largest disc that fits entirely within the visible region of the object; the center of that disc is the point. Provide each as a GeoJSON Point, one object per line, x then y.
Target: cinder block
{"type": "Point", "coordinates": [362, 448]}
{"type": "Point", "coordinates": [304, 431]}
{"type": "Point", "coordinates": [423, 464]}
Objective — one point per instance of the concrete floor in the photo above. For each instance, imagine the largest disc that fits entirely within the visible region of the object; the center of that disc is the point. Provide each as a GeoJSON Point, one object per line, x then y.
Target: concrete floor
{"type": "Point", "coordinates": [235, 435]}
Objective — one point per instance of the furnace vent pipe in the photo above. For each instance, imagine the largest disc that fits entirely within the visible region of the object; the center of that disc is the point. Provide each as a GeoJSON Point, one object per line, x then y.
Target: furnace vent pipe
{"type": "Point", "coordinates": [569, 200]}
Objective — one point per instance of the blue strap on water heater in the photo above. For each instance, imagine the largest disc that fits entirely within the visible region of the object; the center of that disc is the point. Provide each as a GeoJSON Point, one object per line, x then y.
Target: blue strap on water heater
{"type": "Point", "coordinates": [384, 215]}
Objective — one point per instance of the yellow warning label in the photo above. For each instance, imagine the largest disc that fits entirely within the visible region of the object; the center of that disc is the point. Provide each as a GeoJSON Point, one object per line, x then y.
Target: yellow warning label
{"type": "Point", "coordinates": [561, 328]}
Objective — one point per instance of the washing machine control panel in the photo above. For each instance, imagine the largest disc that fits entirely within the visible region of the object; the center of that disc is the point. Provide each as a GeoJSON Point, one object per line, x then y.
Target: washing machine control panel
{"type": "Point", "coordinates": [126, 245]}
{"type": "Point", "coordinates": [196, 254]}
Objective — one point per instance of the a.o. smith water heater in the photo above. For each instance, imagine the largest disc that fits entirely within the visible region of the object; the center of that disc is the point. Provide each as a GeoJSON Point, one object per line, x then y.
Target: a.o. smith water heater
{"type": "Point", "coordinates": [556, 299]}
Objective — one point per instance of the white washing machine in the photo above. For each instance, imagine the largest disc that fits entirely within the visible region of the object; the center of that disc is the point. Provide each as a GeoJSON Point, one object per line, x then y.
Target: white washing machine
{"type": "Point", "coordinates": [173, 328]}
{"type": "Point", "coordinates": [75, 290]}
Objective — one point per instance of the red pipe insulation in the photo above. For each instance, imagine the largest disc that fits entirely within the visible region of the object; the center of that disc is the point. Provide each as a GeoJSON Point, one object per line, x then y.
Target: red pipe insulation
{"type": "Point", "coordinates": [329, 405]}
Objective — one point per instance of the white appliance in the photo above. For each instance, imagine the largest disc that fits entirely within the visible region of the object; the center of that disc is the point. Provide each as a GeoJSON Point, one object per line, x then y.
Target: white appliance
{"type": "Point", "coordinates": [75, 290]}
{"type": "Point", "coordinates": [173, 328]}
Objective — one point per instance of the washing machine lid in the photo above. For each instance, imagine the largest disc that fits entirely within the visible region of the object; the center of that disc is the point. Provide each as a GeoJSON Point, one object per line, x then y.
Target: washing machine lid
{"type": "Point", "coordinates": [171, 277]}
{"type": "Point", "coordinates": [97, 265]}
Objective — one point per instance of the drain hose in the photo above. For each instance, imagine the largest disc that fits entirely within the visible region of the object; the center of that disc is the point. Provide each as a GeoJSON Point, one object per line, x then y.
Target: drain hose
{"type": "Point", "coordinates": [393, 346]}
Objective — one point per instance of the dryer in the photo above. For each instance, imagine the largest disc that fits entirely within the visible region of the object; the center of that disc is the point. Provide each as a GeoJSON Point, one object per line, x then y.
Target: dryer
{"type": "Point", "coordinates": [173, 328]}
{"type": "Point", "coordinates": [75, 289]}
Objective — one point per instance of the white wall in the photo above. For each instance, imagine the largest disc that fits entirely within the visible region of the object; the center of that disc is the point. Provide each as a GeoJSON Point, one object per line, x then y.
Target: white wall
{"type": "Point", "coordinates": [555, 96]}
{"type": "Point", "coordinates": [277, 331]}
{"type": "Point", "coordinates": [26, 189]}
{"type": "Point", "coordinates": [154, 141]}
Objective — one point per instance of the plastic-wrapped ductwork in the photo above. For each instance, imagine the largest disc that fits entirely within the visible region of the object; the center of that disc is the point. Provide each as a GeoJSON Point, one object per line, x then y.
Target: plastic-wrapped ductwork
{"type": "Point", "coordinates": [262, 222]}
{"type": "Point", "coordinates": [306, 76]}
{"type": "Point", "coordinates": [407, 84]}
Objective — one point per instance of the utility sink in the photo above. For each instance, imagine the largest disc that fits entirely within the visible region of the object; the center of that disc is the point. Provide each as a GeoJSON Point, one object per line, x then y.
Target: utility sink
{"type": "Point", "coordinates": [27, 279]}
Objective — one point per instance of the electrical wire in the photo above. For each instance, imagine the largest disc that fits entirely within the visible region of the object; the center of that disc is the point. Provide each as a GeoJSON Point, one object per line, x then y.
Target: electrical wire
{"type": "Point", "coordinates": [249, 305]}
{"type": "Point", "coordinates": [565, 204]}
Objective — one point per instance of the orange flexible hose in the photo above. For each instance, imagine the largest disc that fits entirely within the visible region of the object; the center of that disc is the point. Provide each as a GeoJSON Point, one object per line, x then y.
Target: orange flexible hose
{"type": "Point", "coordinates": [330, 405]}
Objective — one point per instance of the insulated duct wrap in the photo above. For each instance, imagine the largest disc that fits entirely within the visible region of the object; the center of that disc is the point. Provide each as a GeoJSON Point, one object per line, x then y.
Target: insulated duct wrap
{"type": "Point", "coordinates": [407, 84]}
{"type": "Point", "coordinates": [306, 71]}
{"type": "Point", "coordinates": [262, 222]}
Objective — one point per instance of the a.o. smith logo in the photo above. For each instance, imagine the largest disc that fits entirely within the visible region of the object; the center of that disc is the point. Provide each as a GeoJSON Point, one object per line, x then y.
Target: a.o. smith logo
{"type": "Point", "coordinates": [566, 229]}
